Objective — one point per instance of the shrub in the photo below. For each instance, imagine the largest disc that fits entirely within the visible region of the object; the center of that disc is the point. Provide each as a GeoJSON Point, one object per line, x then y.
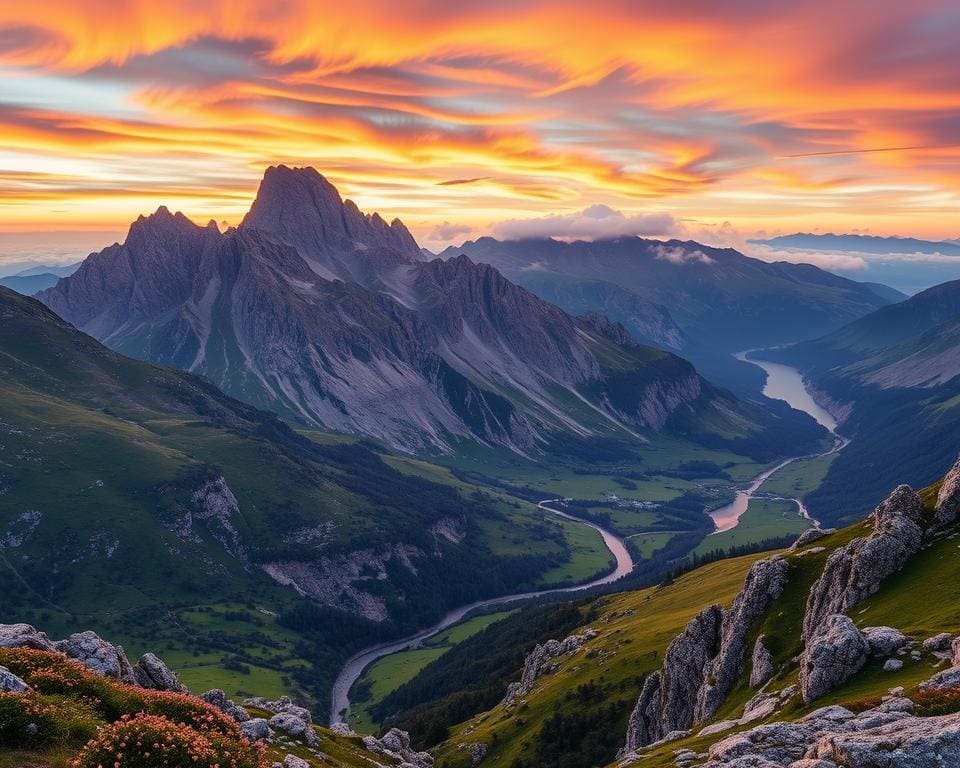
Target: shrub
{"type": "Point", "coordinates": [28, 720]}
{"type": "Point", "coordinates": [942, 702]}
{"type": "Point", "coordinates": [153, 741]}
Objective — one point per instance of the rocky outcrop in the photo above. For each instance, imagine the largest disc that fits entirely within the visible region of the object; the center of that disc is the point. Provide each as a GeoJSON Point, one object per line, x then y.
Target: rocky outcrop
{"type": "Point", "coordinates": [10, 683]}
{"type": "Point", "coordinates": [668, 699]}
{"type": "Point", "coordinates": [218, 699]}
{"type": "Point", "coordinates": [761, 664]}
{"type": "Point", "coordinates": [764, 583]}
{"type": "Point", "coordinates": [151, 672]}
{"type": "Point", "coordinates": [884, 641]}
{"type": "Point", "coordinates": [856, 570]}
{"type": "Point", "coordinates": [540, 662]}
{"type": "Point", "coordinates": [938, 643]}
{"type": "Point", "coordinates": [24, 636]}
{"type": "Point", "coordinates": [256, 729]}
{"type": "Point", "coordinates": [835, 653]}
{"type": "Point", "coordinates": [947, 509]}
{"type": "Point", "coordinates": [808, 537]}
{"type": "Point", "coordinates": [97, 654]}
{"type": "Point", "coordinates": [395, 744]}
{"type": "Point", "coordinates": [703, 663]}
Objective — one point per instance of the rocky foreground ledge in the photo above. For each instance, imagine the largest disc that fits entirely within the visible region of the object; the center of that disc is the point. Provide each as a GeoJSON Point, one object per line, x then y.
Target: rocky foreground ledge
{"type": "Point", "coordinates": [278, 723]}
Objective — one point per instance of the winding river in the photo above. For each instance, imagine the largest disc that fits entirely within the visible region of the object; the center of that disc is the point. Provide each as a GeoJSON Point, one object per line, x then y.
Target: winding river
{"type": "Point", "coordinates": [351, 671]}
{"type": "Point", "coordinates": [783, 383]}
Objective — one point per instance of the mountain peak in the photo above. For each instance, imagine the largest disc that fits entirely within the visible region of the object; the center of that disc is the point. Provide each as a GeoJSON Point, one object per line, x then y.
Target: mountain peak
{"type": "Point", "coordinates": [300, 207]}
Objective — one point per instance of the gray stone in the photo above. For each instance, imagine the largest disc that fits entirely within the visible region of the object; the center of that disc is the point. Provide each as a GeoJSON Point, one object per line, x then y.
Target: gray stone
{"type": "Point", "coordinates": [396, 744]}
{"type": "Point", "coordinates": [955, 651]}
{"type": "Point", "coordinates": [832, 656]}
{"type": "Point", "coordinates": [24, 636]}
{"type": "Point", "coordinates": [812, 762]}
{"type": "Point", "coordinates": [892, 665]}
{"type": "Point", "coordinates": [763, 584]}
{"type": "Point", "coordinates": [808, 537]}
{"type": "Point", "coordinates": [855, 571]}
{"type": "Point", "coordinates": [884, 641]}
{"type": "Point", "coordinates": [947, 507]}
{"type": "Point", "coordinates": [911, 742]}
{"type": "Point", "coordinates": [938, 643]}
{"type": "Point", "coordinates": [477, 753]}
{"type": "Point", "coordinates": [779, 743]}
{"type": "Point", "coordinates": [762, 668]}
{"type": "Point", "coordinates": [150, 672]}
{"type": "Point", "coordinates": [539, 662]}
{"type": "Point", "coordinates": [949, 678]}
{"type": "Point", "coordinates": [218, 699]}
{"type": "Point", "coordinates": [294, 726]}
{"type": "Point", "coordinates": [669, 697]}
{"type": "Point", "coordinates": [897, 704]}
{"type": "Point", "coordinates": [10, 683]}
{"type": "Point", "coordinates": [256, 729]}
{"type": "Point", "coordinates": [292, 761]}
{"type": "Point", "coordinates": [97, 655]}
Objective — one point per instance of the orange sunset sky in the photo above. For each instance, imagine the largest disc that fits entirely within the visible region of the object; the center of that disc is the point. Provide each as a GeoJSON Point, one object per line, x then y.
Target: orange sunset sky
{"type": "Point", "coordinates": [694, 117]}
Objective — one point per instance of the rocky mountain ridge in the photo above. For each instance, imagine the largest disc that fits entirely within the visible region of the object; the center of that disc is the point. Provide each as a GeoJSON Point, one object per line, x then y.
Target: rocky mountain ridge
{"type": "Point", "coordinates": [700, 667]}
{"type": "Point", "coordinates": [332, 319]}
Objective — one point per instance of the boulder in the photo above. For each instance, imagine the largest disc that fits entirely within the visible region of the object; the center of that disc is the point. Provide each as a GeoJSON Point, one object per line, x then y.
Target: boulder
{"type": "Point", "coordinates": [24, 636]}
{"type": "Point", "coordinates": [909, 742]}
{"type": "Point", "coordinates": [98, 655]}
{"type": "Point", "coordinates": [808, 537]}
{"type": "Point", "coordinates": [477, 753]}
{"type": "Point", "coordinates": [776, 743]}
{"type": "Point", "coordinates": [396, 744]}
{"type": "Point", "coordinates": [892, 665]}
{"type": "Point", "coordinates": [762, 668]}
{"type": "Point", "coordinates": [949, 678]}
{"type": "Point", "coordinates": [884, 641]}
{"type": "Point", "coordinates": [832, 656]}
{"type": "Point", "coordinates": [938, 643]}
{"type": "Point", "coordinates": [292, 761]}
{"type": "Point", "coordinates": [292, 725]}
{"type": "Point", "coordinates": [218, 699]}
{"type": "Point", "coordinates": [955, 651]}
{"type": "Point", "coordinates": [855, 571]}
{"type": "Point", "coordinates": [256, 729]}
{"type": "Point", "coordinates": [947, 508]}
{"type": "Point", "coordinates": [10, 683]}
{"type": "Point", "coordinates": [152, 673]}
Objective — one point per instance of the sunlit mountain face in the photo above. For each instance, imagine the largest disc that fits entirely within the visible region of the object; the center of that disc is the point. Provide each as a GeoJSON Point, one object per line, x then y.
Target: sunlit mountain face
{"type": "Point", "coordinates": [719, 121]}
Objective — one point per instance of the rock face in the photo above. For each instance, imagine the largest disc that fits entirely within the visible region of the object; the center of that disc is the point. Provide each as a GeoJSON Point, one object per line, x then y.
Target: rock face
{"type": "Point", "coordinates": [856, 571]}
{"type": "Point", "coordinates": [538, 662]}
{"type": "Point", "coordinates": [833, 655]}
{"type": "Point", "coordinates": [764, 583]}
{"type": "Point", "coordinates": [332, 318]}
{"type": "Point", "coordinates": [762, 668]}
{"type": "Point", "coordinates": [947, 509]}
{"type": "Point", "coordinates": [151, 672]}
{"type": "Point", "coordinates": [703, 663]}
{"type": "Point", "coordinates": [668, 699]}
{"type": "Point", "coordinates": [24, 636]}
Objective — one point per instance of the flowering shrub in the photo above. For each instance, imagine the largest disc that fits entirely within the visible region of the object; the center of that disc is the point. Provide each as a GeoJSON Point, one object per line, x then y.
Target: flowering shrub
{"type": "Point", "coordinates": [27, 720]}
{"type": "Point", "coordinates": [187, 710]}
{"type": "Point", "coordinates": [153, 741]}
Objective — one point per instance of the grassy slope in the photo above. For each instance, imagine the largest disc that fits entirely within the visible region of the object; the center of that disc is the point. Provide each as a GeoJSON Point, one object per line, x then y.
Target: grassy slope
{"type": "Point", "coordinates": [109, 450]}
{"type": "Point", "coordinates": [636, 627]}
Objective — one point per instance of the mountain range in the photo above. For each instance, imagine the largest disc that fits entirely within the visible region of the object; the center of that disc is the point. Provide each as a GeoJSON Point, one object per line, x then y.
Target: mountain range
{"type": "Point", "coordinates": [704, 303]}
{"type": "Point", "coordinates": [129, 490]}
{"type": "Point", "coordinates": [893, 377]}
{"type": "Point", "coordinates": [333, 319]}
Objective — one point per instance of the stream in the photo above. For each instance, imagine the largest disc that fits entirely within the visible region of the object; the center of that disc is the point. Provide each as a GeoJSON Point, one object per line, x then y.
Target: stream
{"type": "Point", "coordinates": [783, 383]}
{"type": "Point", "coordinates": [351, 671]}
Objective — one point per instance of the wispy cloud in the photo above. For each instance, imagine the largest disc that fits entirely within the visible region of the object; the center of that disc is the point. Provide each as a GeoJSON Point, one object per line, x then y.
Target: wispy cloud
{"type": "Point", "coordinates": [595, 222]}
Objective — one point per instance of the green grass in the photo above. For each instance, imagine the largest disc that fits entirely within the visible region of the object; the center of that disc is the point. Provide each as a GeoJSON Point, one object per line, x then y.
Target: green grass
{"type": "Point", "coordinates": [589, 556]}
{"type": "Point", "coordinates": [800, 477]}
{"type": "Point", "coordinates": [647, 543]}
{"type": "Point", "coordinates": [389, 673]}
{"type": "Point", "coordinates": [764, 519]}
